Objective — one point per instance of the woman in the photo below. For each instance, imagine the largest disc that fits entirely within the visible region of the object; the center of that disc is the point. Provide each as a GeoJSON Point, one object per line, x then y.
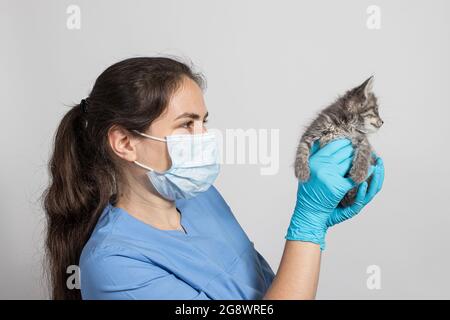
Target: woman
{"type": "Point", "coordinates": [132, 201]}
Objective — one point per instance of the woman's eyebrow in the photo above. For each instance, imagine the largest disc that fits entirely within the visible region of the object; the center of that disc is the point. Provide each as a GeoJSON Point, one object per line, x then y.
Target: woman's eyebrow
{"type": "Point", "coordinates": [191, 115]}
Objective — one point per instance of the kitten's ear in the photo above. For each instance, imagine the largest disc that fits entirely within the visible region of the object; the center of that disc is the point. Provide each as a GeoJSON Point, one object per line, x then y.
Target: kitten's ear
{"type": "Point", "coordinates": [365, 88]}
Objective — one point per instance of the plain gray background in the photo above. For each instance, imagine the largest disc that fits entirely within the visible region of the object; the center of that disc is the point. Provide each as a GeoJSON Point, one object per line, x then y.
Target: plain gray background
{"type": "Point", "coordinates": [269, 65]}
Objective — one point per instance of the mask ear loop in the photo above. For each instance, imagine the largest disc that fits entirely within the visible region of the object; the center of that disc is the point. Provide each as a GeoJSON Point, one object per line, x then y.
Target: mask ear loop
{"type": "Point", "coordinates": [143, 166]}
{"type": "Point", "coordinates": [151, 137]}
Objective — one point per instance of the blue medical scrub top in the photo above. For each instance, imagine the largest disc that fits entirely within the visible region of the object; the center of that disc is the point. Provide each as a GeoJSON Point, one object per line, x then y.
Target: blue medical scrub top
{"type": "Point", "coordinates": [126, 258]}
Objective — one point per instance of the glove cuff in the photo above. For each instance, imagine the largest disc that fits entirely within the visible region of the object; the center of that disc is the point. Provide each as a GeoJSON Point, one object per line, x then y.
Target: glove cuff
{"type": "Point", "coordinates": [314, 236]}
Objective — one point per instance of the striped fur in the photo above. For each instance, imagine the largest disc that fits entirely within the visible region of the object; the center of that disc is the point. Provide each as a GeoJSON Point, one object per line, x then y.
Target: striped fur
{"type": "Point", "coordinates": [353, 115]}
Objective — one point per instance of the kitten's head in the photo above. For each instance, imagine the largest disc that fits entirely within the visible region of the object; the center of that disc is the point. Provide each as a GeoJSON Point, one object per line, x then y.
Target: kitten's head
{"type": "Point", "coordinates": [361, 108]}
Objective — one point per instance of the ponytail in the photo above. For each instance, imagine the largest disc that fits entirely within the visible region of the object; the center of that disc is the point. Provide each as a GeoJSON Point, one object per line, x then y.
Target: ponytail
{"type": "Point", "coordinates": [73, 201]}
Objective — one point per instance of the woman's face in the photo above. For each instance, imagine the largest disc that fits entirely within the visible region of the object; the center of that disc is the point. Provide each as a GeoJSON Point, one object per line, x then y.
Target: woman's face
{"type": "Point", "coordinates": [185, 114]}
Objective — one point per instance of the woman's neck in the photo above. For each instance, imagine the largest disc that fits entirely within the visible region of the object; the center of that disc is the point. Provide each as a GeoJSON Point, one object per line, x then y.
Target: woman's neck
{"type": "Point", "coordinates": [151, 209]}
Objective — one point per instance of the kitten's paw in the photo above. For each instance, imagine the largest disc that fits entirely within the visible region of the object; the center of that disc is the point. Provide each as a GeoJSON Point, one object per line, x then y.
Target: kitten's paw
{"type": "Point", "coordinates": [302, 171]}
{"type": "Point", "coordinates": [304, 175]}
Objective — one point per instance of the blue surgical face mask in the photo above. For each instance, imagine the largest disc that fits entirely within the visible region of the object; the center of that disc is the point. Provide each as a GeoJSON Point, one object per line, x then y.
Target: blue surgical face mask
{"type": "Point", "coordinates": [195, 165]}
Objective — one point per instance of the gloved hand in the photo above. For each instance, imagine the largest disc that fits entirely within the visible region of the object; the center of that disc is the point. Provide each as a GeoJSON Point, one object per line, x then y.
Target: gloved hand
{"type": "Point", "coordinates": [317, 198]}
{"type": "Point", "coordinates": [363, 195]}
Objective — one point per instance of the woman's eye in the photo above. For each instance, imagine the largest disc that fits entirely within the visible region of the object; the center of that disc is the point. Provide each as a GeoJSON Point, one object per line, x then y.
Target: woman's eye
{"type": "Point", "coordinates": [187, 124]}
{"type": "Point", "coordinates": [190, 123]}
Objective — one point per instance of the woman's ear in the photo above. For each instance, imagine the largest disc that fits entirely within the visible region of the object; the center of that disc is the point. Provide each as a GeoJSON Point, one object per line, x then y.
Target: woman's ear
{"type": "Point", "coordinates": [121, 143]}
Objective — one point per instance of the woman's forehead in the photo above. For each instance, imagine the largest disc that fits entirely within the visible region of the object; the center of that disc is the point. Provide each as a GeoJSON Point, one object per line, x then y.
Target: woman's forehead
{"type": "Point", "coordinates": [187, 99]}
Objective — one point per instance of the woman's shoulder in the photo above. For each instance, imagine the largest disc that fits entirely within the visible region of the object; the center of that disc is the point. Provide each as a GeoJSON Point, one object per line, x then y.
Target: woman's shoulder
{"type": "Point", "coordinates": [105, 239]}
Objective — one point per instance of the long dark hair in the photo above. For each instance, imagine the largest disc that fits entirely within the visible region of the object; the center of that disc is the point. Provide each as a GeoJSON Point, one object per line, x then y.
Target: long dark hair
{"type": "Point", "coordinates": [84, 172]}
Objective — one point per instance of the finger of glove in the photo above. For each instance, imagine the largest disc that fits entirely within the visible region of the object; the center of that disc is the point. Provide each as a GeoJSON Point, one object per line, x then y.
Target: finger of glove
{"type": "Point", "coordinates": [360, 198]}
{"type": "Point", "coordinates": [370, 171]}
{"type": "Point", "coordinates": [347, 184]}
{"type": "Point", "coordinates": [342, 214]}
{"type": "Point", "coordinates": [344, 166]}
{"type": "Point", "coordinates": [342, 154]}
{"type": "Point", "coordinates": [380, 165]}
{"type": "Point", "coordinates": [333, 146]}
{"type": "Point", "coordinates": [377, 181]}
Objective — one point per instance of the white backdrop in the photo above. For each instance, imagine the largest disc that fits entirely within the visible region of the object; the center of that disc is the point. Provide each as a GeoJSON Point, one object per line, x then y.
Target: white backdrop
{"type": "Point", "coordinates": [270, 65]}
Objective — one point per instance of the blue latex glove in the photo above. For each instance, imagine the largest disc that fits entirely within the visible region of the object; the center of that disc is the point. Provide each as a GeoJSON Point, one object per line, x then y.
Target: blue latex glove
{"type": "Point", "coordinates": [317, 198]}
{"type": "Point", "coordinates": [363, 195]}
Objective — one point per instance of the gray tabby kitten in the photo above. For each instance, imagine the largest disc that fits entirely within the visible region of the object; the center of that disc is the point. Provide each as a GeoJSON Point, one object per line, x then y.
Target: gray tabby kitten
{"type": "Point", "coordinates": [353, 115]}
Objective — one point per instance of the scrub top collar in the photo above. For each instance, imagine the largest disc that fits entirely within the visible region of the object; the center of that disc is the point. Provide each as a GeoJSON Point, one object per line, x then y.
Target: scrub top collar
{"type": "Point", "coordinates": [147, 228]}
